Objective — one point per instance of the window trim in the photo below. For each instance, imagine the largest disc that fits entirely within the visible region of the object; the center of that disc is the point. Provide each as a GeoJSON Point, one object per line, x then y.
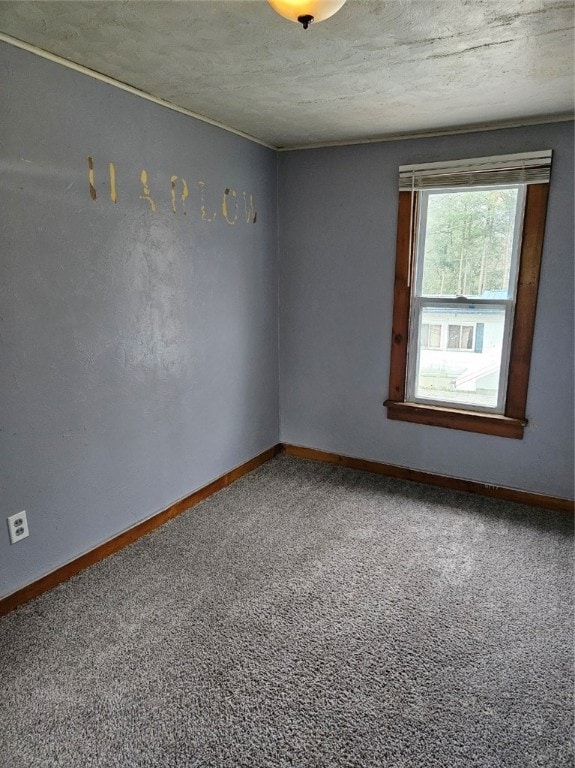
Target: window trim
{"type": "Point", "coordinates": [512, 422]}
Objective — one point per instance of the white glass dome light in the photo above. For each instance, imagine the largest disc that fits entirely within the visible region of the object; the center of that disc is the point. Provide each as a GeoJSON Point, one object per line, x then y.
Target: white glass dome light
{"type": "Point", "coordinates": [305, 12]}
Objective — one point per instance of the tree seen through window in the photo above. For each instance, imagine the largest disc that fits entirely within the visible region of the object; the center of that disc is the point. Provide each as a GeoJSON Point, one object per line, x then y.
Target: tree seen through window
{"type": "Point", "coordinates": [469, 242]}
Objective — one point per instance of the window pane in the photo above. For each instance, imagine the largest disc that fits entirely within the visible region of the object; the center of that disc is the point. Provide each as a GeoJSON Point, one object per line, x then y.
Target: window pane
{"type": "Point", "coordinates": [453, 337]}
{"type": "Point", "coordinates": [425, 334]}
{"type": "Point", "coordinates": [468, 242]}
{"type": "Point", "coordinates": [466, 337]}
{"type": "Point", "coordinates": [462, 372]}
{"type": "Point", "coordinates": [435, 336]}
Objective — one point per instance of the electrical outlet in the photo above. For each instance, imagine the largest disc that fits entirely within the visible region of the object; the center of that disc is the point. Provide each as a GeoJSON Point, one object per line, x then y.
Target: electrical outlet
{"type": "Point", "coordinates": [18, 527]}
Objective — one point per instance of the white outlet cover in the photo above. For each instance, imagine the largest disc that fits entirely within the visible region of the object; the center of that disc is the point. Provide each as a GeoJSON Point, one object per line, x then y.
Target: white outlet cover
{"type": "Point", "coordinates": [18, 527]}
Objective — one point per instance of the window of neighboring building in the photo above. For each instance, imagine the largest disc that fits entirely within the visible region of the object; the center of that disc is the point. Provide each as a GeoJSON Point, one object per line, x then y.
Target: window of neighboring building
{"type": "Point", "coordinates": [460, 337]}
{"type": "Point", "coordinates": [430, 336]}
{"type": "Point", "coordinates": [470, 235]}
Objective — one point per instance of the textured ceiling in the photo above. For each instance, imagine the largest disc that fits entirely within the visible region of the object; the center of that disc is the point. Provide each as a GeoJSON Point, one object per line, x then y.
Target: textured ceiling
{"type": "Point", "coordinates": [376, 69]}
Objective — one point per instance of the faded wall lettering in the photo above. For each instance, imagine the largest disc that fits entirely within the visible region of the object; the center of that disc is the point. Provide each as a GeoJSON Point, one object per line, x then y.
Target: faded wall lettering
{"type": "Point", "coordinates": [112, 171]}
{"type": "Point", "coordinates": [93, 194]}
{"type": "Point", "coordinates": [230, 193]}
{"type": "Point", "coordinates": [181, 199]}
{"type": "Point", "coordinates": [146, 188]}
{"type": "Point", "coordinates": [184, 193]}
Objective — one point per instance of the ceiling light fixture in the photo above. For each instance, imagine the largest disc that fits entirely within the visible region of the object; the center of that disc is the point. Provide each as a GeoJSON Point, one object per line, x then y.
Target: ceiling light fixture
{"type": "Point", "coordinates": [306, 11]}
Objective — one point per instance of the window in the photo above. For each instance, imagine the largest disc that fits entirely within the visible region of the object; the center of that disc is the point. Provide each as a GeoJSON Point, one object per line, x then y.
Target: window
{"type": "Point", "coordinates": [469, 243]}
{"type": "Point", "coordinates": [460, 337]}
{"type": "Point", "coordinates": [430, 336]}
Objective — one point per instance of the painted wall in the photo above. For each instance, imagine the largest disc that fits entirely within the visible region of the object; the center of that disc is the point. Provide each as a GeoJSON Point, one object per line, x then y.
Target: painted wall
{"type": "Point", "coordinates": [138, 347]}
{"type": "Point", "coordinates": [338, 209]}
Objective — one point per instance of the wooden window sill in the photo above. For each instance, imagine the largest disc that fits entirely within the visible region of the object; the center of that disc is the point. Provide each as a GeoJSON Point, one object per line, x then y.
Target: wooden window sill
{"type": "Point", "coordinates": [453, 418]}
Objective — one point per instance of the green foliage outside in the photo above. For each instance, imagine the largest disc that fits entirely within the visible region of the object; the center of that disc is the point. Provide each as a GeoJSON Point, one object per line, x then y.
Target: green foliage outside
{"type": "Point", "coordinates": [469, 241]}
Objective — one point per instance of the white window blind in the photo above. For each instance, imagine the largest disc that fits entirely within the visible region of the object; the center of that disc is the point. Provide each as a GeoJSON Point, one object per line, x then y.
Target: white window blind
{"type": "Point", "coordinates": [521, 168]}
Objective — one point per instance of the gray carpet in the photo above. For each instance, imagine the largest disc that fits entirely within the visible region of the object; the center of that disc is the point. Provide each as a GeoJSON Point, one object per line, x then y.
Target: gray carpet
{"type": "Point", "coordinates": [307, 615]}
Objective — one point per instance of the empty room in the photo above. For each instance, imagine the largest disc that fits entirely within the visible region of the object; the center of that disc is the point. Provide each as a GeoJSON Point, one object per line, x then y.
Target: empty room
{"type": "Point", "coordinates": [287, 383]}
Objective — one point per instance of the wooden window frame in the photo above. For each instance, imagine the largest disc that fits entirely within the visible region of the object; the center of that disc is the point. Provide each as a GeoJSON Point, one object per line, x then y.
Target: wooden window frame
{"type": "Point", "coordinates": [513, 421]}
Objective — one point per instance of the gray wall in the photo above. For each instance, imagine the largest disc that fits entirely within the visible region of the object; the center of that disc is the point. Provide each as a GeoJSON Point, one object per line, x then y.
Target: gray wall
{"type": "Point", "coordinates": [138, 350]}
{"type": "Point", "coordinates": [338, 209]}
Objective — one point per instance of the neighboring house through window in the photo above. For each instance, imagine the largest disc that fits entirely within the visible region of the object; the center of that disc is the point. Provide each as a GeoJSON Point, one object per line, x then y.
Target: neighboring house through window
{"type": "Point", "coordinates": [469, 239]}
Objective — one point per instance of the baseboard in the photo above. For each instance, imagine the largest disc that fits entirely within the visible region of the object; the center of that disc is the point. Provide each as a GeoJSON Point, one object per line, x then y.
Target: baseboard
{"type": "Point", "coordinates": [402, 473]}
{"type": "Point", "coordinates": [122, 540]}
{"type": "Point", "coordinates": [65, 572]}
